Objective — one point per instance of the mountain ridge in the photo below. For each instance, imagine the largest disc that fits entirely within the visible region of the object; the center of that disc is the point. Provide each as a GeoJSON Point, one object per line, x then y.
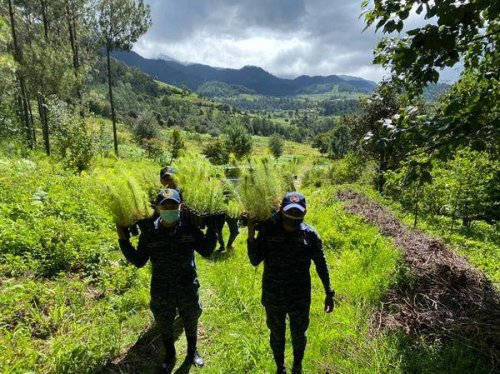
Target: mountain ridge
{"type": "Point", "coordinates": [253, 78]}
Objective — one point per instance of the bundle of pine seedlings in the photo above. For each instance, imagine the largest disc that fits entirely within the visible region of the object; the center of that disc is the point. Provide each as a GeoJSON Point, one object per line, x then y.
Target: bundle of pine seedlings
{"type": "Point", "coordinates": [201, 184]}
{"type": "Point", "coordinates": [261, 189]}
{"type": "Point", "coordinates": [125, 194]}
{"type": "Point", "coordinates": [233, 206]}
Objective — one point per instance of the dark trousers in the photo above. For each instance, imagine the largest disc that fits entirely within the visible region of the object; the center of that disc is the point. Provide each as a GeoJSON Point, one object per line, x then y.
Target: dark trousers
{"type": "Point", "coordinates": [187, 303]}
{"type": "Point", "coordinates": [232, 223]}
{"type": "Point", "coordinates": [276, 322]}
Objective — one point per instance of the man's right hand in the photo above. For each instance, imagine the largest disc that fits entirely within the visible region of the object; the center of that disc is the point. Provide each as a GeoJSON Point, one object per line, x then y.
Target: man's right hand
{"type": "Point", "coordinates": [123, 233]}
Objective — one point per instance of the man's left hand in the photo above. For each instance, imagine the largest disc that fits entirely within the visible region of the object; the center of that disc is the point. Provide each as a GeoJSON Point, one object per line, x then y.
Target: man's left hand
{"type": "Point", "coordinates": [329, 303]}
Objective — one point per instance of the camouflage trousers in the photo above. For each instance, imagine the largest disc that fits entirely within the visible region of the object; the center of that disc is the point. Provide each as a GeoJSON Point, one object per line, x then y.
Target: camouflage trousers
{"type": "Point", "coordinates": [276, 322]}
{"type": "Point", "coordinates": [186, 302]}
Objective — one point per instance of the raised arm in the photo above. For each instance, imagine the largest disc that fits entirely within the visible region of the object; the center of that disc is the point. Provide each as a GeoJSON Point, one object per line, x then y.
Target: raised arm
{"type": "Point", "coordinates": [256, 247]}
{"type": "Point", "coordinates": [205, 243]}
{"type": "Point", "coordinates": [138, 257]}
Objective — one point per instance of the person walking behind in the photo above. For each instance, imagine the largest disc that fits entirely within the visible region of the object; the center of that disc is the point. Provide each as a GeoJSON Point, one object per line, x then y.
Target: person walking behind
{"type": "Point", "coordinates": [232, 223]}
{"type": "Point", "coordinates": [170, 247]}
{"type": "Point", "coordinates": [286, 245]}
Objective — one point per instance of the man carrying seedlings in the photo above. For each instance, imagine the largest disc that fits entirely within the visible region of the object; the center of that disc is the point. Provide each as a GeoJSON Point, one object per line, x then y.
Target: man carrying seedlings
{"type": "Point", "coordinates": [167, 180]}
{"type": "Point", "coordinates": [286, 246]}
{"type": "Point", "coordinates": [167, 174]}
{"type": "Point", "coordinates": [170, 247]}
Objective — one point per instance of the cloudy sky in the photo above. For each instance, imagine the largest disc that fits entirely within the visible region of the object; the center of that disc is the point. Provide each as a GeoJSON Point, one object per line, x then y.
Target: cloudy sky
{"type": "Point", "coordinates": [286, 37]}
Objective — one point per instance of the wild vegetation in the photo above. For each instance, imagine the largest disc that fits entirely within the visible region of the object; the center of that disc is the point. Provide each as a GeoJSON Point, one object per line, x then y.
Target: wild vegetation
{"type": "Point", "coordinates": [84, 137]}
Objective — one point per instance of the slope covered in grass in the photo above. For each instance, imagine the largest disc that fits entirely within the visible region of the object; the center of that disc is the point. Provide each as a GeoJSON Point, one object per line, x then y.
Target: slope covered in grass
{"type": "Point", "coordinates": [69, 303]}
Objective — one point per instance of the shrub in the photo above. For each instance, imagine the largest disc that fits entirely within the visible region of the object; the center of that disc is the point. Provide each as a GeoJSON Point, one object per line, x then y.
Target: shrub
{"type": "Point", "coordinates": [238, 141]}
{"type": "Point", "coordinates": [346, 170]}
{"type": "Point", "coordinates": [176, 144]}
{"type": "Point", "coordinates": [340, 142]}
{"type": "Point", "coordinates": [153, 148]}
{"type": "Point", "coordinates": [465, 186]}
{"type": "Point", "coordinates": [73, 139]}
{"type": "Point", "coordinates": [460, 188]}
{"type": "Point", "coordinates": [216, 152]}
{"type": "Point", "coordinates": [146, 127]}
{"type": "Point", "coordinates": [276, 145]}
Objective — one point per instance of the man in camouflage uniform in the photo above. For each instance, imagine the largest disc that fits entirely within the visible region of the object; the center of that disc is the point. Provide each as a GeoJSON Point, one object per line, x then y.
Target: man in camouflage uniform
{"type": "Point", "coordinates": [286, 246]}
{"type": "Point", "coordinates": [170, 247]}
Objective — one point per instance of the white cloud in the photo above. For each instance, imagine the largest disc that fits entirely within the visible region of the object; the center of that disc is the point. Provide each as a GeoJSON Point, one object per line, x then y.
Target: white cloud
{"type": "Point", "coordinates": [285, 37]}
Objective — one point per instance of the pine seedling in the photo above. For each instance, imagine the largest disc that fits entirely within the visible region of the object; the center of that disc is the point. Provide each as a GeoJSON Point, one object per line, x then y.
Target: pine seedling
{"type": "Point", "coordinates": [125, 198]}
{"type": "Point", "coordinates": [261, 189]}
{"type": "Point", "coordinates": [201, 189]}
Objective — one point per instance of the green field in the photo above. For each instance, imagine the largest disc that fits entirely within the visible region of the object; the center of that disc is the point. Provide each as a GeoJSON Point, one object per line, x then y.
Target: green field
{"type": "Point", "coordinates": [70, 304]}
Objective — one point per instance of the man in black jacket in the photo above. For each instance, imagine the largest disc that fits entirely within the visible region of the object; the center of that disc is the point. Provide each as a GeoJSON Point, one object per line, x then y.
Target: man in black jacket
{"type": "Point", "coordinates": [286, 246]}
{"type": "Point", "coordinates": [170, 247]}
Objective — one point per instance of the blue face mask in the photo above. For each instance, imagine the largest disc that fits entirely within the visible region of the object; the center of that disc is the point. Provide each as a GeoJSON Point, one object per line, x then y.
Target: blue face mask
{"type": "Point", "coordinates": [170, 216]}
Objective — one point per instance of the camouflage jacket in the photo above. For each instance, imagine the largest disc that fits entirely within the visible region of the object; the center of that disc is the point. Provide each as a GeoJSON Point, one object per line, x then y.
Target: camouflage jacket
{"type": "Point", "coordinates": [286, 282]}
{"type": "Point", "coordinates": [171, 253]}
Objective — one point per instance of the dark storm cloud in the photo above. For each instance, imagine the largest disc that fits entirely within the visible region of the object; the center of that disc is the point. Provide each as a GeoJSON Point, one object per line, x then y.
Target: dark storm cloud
{"type": "Point", "coordinates": [285, 37]}
{"type": "Point", "coordinates": [178, 20]}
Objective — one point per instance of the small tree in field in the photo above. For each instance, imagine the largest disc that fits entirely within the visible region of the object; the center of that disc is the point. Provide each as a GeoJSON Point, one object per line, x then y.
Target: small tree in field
{"type": "Point", "coordinates": [276, 145]}
{"type": "Point", "coordinates": [146, 127]}
{"type": "Point", "coordinates": [238, 141]}
{"type": "Point", "coordinates": [216, 152]}
{"type": "Point", "coordinates": [176, 144]}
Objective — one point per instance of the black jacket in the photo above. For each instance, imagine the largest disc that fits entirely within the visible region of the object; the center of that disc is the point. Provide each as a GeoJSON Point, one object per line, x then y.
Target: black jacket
{"type": "Point", "coordinates": [287, 258]}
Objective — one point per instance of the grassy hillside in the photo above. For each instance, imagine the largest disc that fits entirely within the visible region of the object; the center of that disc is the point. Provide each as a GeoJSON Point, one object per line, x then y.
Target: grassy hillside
{"type": "Point", "coordinates": [70, 303]}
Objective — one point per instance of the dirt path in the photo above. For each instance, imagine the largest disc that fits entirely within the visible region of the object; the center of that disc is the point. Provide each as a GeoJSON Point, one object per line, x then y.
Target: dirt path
{"type": "Point", "coordinates": [444, 297]}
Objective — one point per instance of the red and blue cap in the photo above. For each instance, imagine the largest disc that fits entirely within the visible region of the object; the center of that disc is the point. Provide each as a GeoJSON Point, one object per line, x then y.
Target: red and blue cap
{"type": "Point", "coordinates": [168, 194]}
{"type": "Point", "coordinates": [294, 200]}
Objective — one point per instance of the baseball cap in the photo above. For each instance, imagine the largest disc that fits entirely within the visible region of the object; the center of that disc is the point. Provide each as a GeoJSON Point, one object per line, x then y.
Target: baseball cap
{"type": "Point", "coordinates": [167, 170]}
{"type": "Point", "coordinates": [294, 200]}
{"type": "Point", "coordinates": [166, 195]}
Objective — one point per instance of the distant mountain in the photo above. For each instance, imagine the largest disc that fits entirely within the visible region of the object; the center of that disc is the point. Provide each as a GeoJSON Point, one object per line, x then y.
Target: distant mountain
{"type": "Point", "coordinates": [249, 79]}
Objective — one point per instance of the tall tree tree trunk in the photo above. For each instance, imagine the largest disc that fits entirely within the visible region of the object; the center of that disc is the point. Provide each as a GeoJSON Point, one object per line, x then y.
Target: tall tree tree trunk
{"type": "Point", "coordinates": [113, 115]}
{"type": "Point", "coordinates": [33, 129]}
{"type": "Point", "coordinates": [42, 110]}
{"type": "Point", "coordinates": [22, 84]}
{"type": "Point", "coordinates": [71, 16]}
{"type": "Point", "coordinates": [45, 20]}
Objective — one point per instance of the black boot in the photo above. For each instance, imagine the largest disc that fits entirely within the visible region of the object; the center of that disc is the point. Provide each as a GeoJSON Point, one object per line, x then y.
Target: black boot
{"type": "Point", "coordinates": [280, 368]}
{"type": "Point", "coordinates": [297, 368]}
{"type": "Point", "coordinates": [169, 362]}
{"type": "Point", "coordinates": [297, 363]}
{"type": "Point", "coordinates": [193, 356]}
